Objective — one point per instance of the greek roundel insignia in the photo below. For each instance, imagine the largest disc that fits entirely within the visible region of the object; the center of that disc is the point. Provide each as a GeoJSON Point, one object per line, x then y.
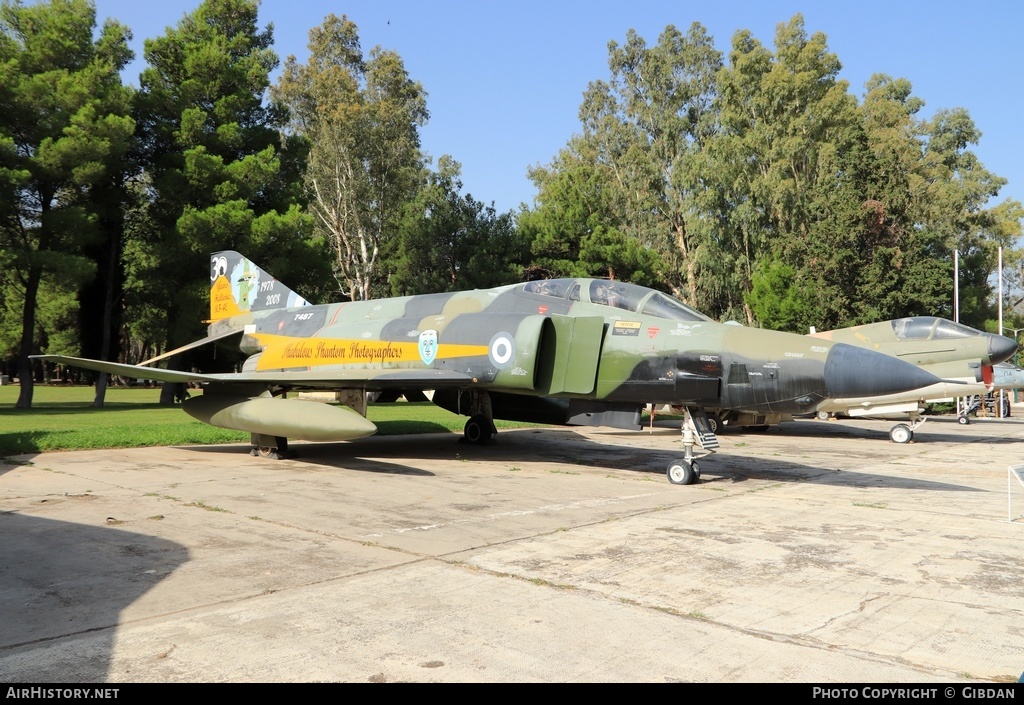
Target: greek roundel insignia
{"type": "Point", "coordinates": [428, 346]}
{"type": "Point", "coordinates": [502, 350]}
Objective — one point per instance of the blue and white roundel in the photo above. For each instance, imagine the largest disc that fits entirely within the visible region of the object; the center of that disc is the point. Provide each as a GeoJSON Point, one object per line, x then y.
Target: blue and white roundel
{"type": "Point", "coordinates": [428, 346]}
{"type": "Point", "coordinates": [502, 350]}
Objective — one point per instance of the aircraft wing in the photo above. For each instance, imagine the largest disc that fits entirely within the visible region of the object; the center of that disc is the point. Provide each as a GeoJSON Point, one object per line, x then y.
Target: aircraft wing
{"type": "Point", "coordinates": [132, 371]}
{"type": "Point", "coordinates": [303, 379]}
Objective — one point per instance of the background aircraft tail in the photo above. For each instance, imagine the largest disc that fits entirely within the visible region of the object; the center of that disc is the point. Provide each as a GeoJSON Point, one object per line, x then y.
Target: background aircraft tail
{"type": "Point", "coordinates": [238, 286]}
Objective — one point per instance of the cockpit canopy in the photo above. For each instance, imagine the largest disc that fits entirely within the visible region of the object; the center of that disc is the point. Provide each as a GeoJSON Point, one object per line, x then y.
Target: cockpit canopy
{"type": "Point", "coordinates": [931, 328]}
{"type": "Point", "coordinates": [628, 297]}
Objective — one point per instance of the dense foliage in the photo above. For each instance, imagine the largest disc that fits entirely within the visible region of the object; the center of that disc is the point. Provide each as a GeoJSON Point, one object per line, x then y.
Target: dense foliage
{"type": "Point", "coordinates": [754, 185]}
{"type": "Point", "coordinates": [768, 192]}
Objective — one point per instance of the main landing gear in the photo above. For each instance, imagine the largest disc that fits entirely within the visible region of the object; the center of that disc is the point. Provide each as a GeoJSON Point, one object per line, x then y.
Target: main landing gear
{"type": "Point", "coordinates": [696, 431]}
{"type": "Point", "coordinates": [270, 447]}
{"type": "Point", "coordinates": [480, 429]}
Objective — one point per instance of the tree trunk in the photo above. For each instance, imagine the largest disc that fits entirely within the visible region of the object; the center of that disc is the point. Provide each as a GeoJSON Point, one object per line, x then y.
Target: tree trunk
{"type": "Point", "coordinates": [108, 312]}
{"type": "Point", "coordinates": [28, 329]}
{"type": "Point", "coordinates": [168, 389]}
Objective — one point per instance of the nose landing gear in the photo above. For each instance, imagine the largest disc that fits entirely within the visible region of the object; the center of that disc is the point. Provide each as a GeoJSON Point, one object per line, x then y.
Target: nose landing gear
{"type": "Point", "coordinates": [696, 431]}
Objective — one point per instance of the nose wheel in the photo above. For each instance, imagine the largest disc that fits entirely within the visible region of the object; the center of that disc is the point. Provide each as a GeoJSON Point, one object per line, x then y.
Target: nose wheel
{"type": "Point", "coordinates": [683, 472]}
{"type": "Point", "coordinates": [901, 433]}
{"type": "Point", "coordinates": [904, 433]}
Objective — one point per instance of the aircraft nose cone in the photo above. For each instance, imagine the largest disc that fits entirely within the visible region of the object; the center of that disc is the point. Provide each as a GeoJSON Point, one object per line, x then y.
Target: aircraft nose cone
{"type": "Point", "coordinates": [857, 372]}
{"type": "Point", "coordinates": [1000, 348]}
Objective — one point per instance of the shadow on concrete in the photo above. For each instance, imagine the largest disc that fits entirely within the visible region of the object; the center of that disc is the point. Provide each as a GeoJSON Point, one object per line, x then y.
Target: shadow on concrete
{"type": "Point", "coordinates": [60, 580]}
{"type": "Point", "coordinates": [568, 447]}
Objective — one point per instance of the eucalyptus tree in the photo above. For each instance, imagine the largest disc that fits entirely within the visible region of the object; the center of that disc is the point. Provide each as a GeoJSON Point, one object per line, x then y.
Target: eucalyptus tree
{"type": "Point", "coordinates": [955, 192]}
{"type": "Point", "coordinates": [849, 212]}
{"type": "Point", "coordinates": [629, 181]}
{"type": "Point", "coordinates": [933, 197]}
{"type": "Point", "coordinates": [64, 125]}
{"type": "Point", "coordinates": [361, 118]}
{"type": "Point", "coordinates": [905, 266]}
{"type": "Point", "coordinates": [790, 156]}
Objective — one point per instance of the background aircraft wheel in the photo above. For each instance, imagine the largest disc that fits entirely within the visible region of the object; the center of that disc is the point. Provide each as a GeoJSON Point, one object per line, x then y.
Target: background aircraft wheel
{"type": "Point", "coordinates": [714, 423]}
{"type": "Point", "coordinates": [479, 429]}
{"type": "Point", "coordinates": [681, 472]}
{"type": "Point", "coordinates": [962, 420]}
{"type": "Point", "coordinates": [267, 452]}
{"type": "Point", "coordinates": [900, 433]}
{"type": "Point", "coordinates": [822, 416]}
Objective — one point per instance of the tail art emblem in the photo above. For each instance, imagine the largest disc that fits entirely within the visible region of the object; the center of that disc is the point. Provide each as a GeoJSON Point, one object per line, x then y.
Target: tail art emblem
{"type": "Point", "coordinates": [245, 282]}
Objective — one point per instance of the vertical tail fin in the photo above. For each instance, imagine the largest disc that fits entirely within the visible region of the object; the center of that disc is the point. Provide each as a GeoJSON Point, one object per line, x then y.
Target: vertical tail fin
{"type": "Point", "coordinates": [239, 286]}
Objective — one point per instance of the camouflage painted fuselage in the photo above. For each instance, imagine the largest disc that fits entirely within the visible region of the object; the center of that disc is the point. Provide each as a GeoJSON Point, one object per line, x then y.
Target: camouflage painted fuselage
{"type": "Point", "coordinates": [605, 345]}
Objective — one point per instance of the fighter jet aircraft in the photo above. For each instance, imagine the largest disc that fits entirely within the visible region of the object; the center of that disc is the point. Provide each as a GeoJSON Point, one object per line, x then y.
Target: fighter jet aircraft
{"type": "Point", "coordinates": [927, 340]}
{"type": "Point", "coordinates": [563, 351]}
{"type": "Point", "coordinates": [959, 379]}
{"type": "Point", "coordinates": [960, 356]}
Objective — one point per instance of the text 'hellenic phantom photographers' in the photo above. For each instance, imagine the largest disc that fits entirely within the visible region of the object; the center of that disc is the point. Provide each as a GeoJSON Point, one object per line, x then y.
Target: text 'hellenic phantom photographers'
{"type": "Point", "coordinates": [966, 692]}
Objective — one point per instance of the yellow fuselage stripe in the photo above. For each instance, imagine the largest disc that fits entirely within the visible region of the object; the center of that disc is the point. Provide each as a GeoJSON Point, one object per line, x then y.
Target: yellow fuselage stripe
{"type": "Point", "coordinates": [281, 351]}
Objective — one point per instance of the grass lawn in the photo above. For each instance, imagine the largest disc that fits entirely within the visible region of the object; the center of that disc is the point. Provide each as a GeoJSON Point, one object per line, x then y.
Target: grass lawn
{"type": "Point", "coordinates": [62, 418]}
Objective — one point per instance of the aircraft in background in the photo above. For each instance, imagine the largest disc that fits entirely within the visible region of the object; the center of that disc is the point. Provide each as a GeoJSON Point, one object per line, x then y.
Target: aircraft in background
{"type": "Point", "coordinates": [961, 357]}
{"type": "Point", "coordinates": [957, 354]}
{"type": "Point", "coordinates": [927, 340]}
{"type": "Point", "coordinates": [563, 351]}
{"type": "Point", "coordinates": [960, 379]}
{"type": "Point", "coordinates": [1005, 377]}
